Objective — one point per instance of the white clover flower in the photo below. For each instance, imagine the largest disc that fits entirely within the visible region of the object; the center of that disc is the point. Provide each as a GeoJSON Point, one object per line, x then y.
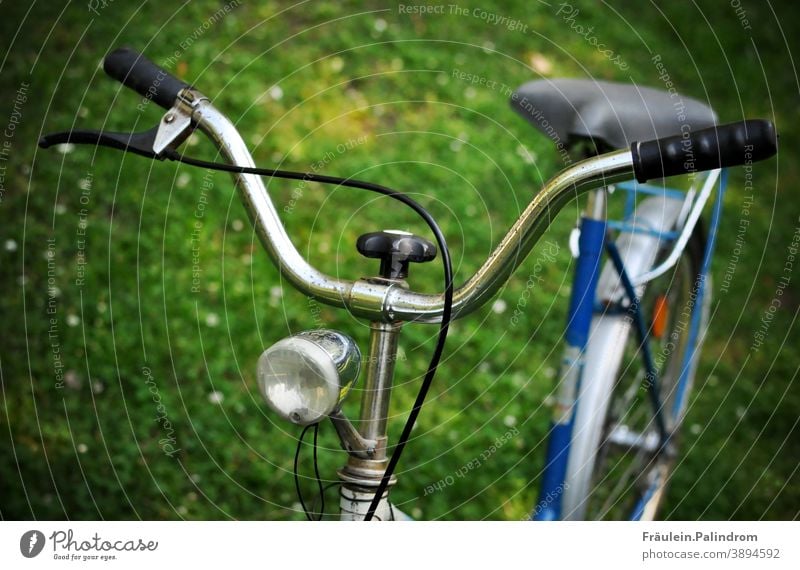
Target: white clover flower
{"type": "Point", "coordinates": [276, 92]}
{"type": "Point", "coordinates": [72, 380]}
{"type": "Point", "coordinates": [336, 64]}
{"type": "Point", "coordinates": [183, 180]}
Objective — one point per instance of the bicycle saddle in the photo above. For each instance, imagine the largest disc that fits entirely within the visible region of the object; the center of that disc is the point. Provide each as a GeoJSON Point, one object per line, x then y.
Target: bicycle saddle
{"type": "Point", "coordinates": [613, 114]}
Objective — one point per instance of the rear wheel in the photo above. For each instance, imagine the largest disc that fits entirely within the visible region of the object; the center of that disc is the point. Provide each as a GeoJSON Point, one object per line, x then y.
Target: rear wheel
{"type": "Point", "coordinates": [630, 468]}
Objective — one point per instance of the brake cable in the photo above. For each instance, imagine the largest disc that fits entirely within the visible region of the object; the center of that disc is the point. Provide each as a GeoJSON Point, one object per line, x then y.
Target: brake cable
{"type": "Point", "coordinates": [448, 281]}
{"type": "Point", "coordinates": [145, 143]}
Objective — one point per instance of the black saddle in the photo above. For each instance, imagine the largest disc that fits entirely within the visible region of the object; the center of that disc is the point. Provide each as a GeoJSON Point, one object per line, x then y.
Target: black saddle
{"type": "Point", "coordinates": [610, 114]}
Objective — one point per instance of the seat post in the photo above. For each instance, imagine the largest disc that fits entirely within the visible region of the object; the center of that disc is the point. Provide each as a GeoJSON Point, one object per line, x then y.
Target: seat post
{"type": "Point", "coordinates": [596, 205]}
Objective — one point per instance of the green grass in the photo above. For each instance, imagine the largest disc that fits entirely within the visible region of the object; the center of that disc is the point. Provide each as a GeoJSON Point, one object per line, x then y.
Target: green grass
{"type": "Point", "coordinates": [91, 449]}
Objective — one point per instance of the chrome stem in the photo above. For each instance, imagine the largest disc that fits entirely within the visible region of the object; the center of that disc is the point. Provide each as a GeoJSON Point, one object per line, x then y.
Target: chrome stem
{"type": "Point", "coordinates": [378, 384]}
{"type": "Point", "coordinates": [361, 476]}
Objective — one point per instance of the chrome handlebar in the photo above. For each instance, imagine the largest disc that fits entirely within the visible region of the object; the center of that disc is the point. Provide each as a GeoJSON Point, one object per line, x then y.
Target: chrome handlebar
{"type": "Point", "coordinates": [727, 145]}
{"type": "Point", "coordinates": [392, 302]}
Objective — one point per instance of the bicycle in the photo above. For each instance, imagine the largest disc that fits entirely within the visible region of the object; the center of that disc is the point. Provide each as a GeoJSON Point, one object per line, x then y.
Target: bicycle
{"type": "Point", "coordinates": [610, 447]}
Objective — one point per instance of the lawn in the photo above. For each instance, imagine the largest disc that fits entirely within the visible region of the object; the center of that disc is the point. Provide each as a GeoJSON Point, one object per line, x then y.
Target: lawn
{"type": "Point", "coordinates": [135, 299]}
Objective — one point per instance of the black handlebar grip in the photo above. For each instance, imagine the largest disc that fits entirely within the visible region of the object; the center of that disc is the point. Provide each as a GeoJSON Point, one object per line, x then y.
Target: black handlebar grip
{"type": "Point", "coordinates": [135, 71]}
{"type": "Point", "coordinates": [716, 147]}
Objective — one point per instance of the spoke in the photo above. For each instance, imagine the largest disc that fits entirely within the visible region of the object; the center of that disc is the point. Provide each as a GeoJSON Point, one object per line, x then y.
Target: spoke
{"type": "Point", "coordinates": [607, 505]}
{"type": "Point", "coordinates": [629, 462]}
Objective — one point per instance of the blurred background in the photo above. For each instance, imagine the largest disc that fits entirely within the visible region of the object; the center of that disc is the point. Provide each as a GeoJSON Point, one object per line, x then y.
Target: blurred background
{"type": "Point", "coordinates": [135, 300]}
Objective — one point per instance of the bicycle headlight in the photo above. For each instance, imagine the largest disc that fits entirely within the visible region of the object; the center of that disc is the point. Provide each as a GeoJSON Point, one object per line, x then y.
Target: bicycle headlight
{"type": "Point", "coordinates": [305, 377]}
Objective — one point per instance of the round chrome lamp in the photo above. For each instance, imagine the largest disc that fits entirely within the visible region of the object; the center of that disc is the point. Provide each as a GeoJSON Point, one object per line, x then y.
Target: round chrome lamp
{"type": "Point", "coordinates": [305, 377]}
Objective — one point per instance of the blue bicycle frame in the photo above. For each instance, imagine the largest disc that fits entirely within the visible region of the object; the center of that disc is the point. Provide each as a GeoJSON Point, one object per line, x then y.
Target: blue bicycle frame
{"type": "Point", "coordinates": [592, 243]}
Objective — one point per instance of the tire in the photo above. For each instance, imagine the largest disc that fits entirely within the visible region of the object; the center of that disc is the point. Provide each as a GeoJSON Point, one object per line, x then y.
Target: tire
{"type": "Point", "coordinates": [622, 471]}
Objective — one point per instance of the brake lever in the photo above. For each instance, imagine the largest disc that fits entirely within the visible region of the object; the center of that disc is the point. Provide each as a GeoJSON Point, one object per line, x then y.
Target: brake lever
{"type": "Point", "coordinates": [174, 128]}
{"type": "Point", "coordinates": [137, 143]}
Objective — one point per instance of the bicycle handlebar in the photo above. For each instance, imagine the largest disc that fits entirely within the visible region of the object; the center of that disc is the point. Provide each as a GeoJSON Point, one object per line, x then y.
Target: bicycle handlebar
{"type": "Point", "coordinates": [136, 72]}
{"type": "Point", "coordinates": [721, 146]}
{"type": "Point", "coordinates": [391, 302]}
{"type": "Point", "coordinates": [735, 144]}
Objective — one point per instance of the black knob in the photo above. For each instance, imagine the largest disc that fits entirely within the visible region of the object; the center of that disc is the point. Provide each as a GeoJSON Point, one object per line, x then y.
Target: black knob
{"type": "Point", "coordinates": [396, 249]}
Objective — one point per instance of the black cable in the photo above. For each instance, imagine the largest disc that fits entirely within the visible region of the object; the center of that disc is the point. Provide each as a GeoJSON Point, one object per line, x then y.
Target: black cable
{"type": "Point", "coordinates": [316, 473]}
{"type": "Point", "coordinates": [324, 490]}
{"type": "Point", "coordinates": [296, 476]}
{"type": "Point", "coordinates": [321, 496]}
{"type": "Point", "coordinates": [448, 280]}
